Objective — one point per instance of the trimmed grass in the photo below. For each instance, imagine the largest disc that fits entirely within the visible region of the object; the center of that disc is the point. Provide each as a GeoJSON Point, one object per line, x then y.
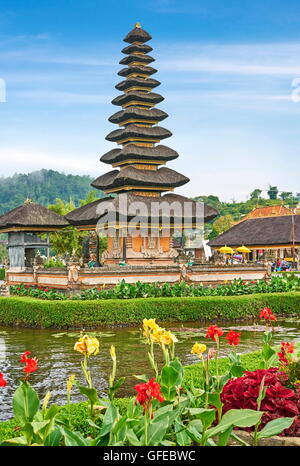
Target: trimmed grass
{"type": "Point", "coordinates": [32, 312]}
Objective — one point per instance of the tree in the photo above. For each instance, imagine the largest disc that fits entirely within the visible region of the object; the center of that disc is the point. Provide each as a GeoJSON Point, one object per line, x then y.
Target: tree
{"type": "Point", "coordinates": [256, 194]}
{"type": "Point", "coordinates": [69, 239]}
{"type": "Point", "coordinates": [273, 192]}
{"type": "Point", "coordinates": [285, 195]}
{"type": "Point", "coordinates": [220, 225]}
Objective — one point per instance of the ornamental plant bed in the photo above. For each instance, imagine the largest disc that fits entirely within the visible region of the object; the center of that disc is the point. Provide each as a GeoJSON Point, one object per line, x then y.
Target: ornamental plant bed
{"type": "Point", "coordinates": [238, 287]}
{"type": "Point", "coordinates": [166, 411]}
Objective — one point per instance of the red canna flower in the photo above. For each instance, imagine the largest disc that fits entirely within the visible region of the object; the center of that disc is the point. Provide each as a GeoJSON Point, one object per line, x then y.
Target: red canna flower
{"type": "Point", "coordinates": [285, 349]}
{"type": "Point", "coordinates": [46, 290]}
{"type": "Point", "coordinates": [233, 337]}
{"type": "Point", "coordinates": [2, 380]}
{"type": "Point", "coordinates": [31, 365]}
{"type": "Point", "coordinates": [267, 314]}
{"type": "Point", "coordinates": [214, 332]}
{"type": "Point", "coordinates": [147, 392]}
{"type": "Point", "coordinates": [24, 356]}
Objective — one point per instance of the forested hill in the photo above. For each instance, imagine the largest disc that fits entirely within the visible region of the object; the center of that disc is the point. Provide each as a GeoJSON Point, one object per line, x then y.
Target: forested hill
{"type": "Point", "coordinates": [43, 187]}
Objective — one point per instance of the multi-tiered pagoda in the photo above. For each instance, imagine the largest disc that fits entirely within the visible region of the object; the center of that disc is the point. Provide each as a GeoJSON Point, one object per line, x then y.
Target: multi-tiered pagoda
{"type": "Point", "coordinates": [139, 169]}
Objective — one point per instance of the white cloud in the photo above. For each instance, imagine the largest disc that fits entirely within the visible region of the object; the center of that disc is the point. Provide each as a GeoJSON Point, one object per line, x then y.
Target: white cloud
{"type": "Point", "coordinates": [61, 97]}
{"type": "Point", "coordinates": [23, 160]}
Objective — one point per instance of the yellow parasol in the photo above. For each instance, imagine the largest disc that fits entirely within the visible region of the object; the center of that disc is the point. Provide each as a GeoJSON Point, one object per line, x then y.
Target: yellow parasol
{"type": "Point", "coordinates": [243, 249]}
{"type": "Point", "coordinates": [226, 250]}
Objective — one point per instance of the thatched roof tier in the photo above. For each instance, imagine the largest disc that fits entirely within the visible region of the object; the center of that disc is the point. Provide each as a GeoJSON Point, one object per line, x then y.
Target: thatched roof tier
{"type": "Point", "coordinates": [135, 96]}
{"type": "Point", "coordinates": [91, 213]}
{"type": "Point", "coordinates": [131, 151]}
{"type": "Point", "coordinates": [30, 216]}
{"type": "Point", "coordinates": [268, 231]}
{"type": "Point", "coordinates": [143, 59]}
{"type": "Point", "coordinates": [138, 114]}
{"type": "Point", "coordinates": [135, 69]}
{"type": "Point", "coordinates": [139, 48]}
{"type": "Point", "coordinates": [130, 176]}
{"type": "Point", "coordinates": [137, 82]}
{"type": "Point", "coordinates": [88, 214]}
{"type": "Point", "coordinates": [137, 35]}
{"type": "Point", "coordinates": [135, 131]}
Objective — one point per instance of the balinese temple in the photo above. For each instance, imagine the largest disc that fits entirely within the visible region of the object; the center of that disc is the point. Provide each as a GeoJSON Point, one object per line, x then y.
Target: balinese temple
{"type": "Point", "coordinates": [28, 227]}
{"type": "Point", "coordinates": [274, 230]}
{"type": "Point", "coordinates": [139, 172]}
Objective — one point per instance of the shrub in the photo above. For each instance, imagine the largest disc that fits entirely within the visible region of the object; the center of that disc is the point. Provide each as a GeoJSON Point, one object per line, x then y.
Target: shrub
{"type": "Point", "coordinates": [279, 401]}
{"type": "Point", "coordinates": [77, 314]}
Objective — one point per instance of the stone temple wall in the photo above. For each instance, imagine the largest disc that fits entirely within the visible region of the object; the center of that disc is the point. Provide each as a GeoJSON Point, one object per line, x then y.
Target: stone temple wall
{"type": "Point", "coordinates": [76, 278]}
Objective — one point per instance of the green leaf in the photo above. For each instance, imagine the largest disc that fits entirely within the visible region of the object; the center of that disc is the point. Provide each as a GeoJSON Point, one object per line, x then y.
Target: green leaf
{"type": "Point", "coordinates": [176, 364]}
{"type": "Point", "coordinates": [73, 439]}
{"type": "Point", "coordinates": [215, 400]}
{"type": "Point", "coordinates": [193, 433]}
{"type": "Point", "coordinates": [224, 437]}
{"type": "Point", "coordinates": [169, 393]}
{"type": "Point", "coordinates": [110, 416]}
{"type": "Point", "coordinates": [17, 441]}
{"type": "Point", "coordinates": [237, 370]}
{"type": "Point", "coordinates": [38, 426]}
{"type": "Point", "coordinates": [53, 439]}
{"type": "Point", "coordinates": [25, 403]}
{"type": "Point", "coordinates": [143, 377]}
{"type": "Point", "coordinates": [90, 393]}
{"type": "Point", "coordinates": [157, 431]}
{"type": "Point", "coordinates": [119, 383]}
{"type": "Point", "coordinates": [182, 438]}
{"type": "Point", "coordinates": [238, 418]}
{"type": "Point", "coordinates": [162, 412]}
{"type": "Point", "coordinates": [275, 427]}
{"type": "Point", "coordinates": [169, 376]}
{"type": "Point", "coordinates": [267, 352]}
{"type": "Point", "coordinates": [51, 412]}
{"type": "Point", "coordinates": [132, 438]}
{"type": "Point", "coordinates": [207, 416]}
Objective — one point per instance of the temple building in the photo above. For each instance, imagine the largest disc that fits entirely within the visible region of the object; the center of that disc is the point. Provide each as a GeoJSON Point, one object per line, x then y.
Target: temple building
{"type": "Point", "coordinates": [28, 227]}
{"type": "Point", "coordinates": [272, 231]}
{"type": "Point", "coordinates": [139, 174]}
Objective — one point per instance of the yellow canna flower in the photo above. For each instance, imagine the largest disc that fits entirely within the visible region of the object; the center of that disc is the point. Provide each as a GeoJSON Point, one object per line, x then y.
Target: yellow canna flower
{"type": "Point", "coordinates": [149, 325]}
{"type": "Point", "coordinates": [156, 334]}
{"type": "Point", "coordinates": [87, 345]}
{"type": "Point", "coordinates": [167, 338]}
{"type": "Point", "coordinates": [198, 349]}
{"type": "Point", "coordinates": [112, 352]}
{"type": "Point", "coordinates": [46, 400]}
{"type": "Point", "coordinates": [70, 382]}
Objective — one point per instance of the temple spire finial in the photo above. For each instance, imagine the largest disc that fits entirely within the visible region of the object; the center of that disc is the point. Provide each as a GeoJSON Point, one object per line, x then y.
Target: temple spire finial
{"type": "Point", "coordinates": [138, 25]}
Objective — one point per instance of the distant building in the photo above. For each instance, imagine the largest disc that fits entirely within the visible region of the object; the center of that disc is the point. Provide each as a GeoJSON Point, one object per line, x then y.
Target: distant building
{"type": "Point", "coordinates": [273, 231]}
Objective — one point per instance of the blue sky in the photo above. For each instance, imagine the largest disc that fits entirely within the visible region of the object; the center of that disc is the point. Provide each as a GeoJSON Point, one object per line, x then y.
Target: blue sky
{"type": "Point", "coordinates": [227, 70]}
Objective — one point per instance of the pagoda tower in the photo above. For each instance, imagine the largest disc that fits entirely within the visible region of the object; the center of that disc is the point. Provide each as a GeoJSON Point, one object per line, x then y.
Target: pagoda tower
{"type": "Point", "coordinates": [139, 166]}
{"type": "Point", "coordinates": [139, 170]}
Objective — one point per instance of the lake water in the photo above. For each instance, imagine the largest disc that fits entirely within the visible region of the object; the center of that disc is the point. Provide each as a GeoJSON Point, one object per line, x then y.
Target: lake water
{"type": "Point", "coordinates": [57, 358]}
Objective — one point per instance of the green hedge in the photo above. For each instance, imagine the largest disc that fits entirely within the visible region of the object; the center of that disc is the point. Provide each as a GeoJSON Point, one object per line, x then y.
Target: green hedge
{"type": "Point", "coordinates": [33, 312]}
{"type": "Point", "coordinates": [78, 411]}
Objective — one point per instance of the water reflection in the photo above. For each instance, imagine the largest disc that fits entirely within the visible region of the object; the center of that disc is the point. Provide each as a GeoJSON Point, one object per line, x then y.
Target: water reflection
{"type": "Point", "coordinates": [57, 358]}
